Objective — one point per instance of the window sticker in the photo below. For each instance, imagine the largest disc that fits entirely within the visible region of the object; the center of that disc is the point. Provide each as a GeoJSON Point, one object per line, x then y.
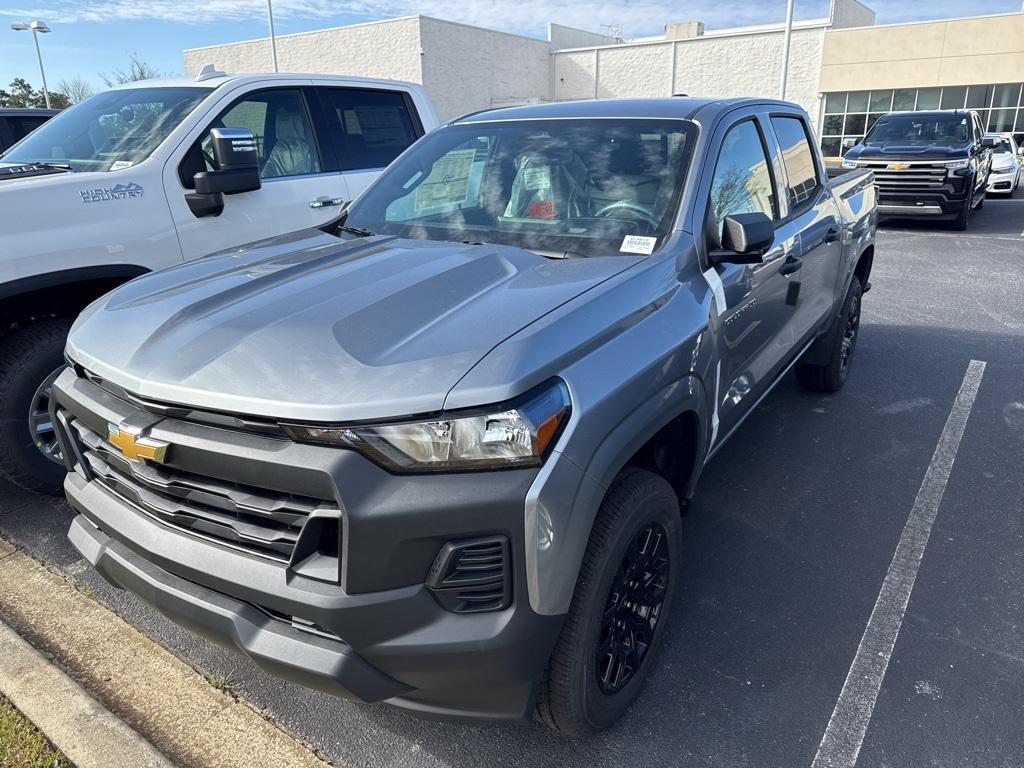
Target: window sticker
{"type": "Point", "coordinates": [448, 182]}
{"type": "Point", "coordinates": [537, 177]}
{"type": "Point", "coordinates": [638, 244]}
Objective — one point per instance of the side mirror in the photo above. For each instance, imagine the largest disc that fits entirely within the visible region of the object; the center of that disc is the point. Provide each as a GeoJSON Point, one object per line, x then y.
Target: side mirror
{"type": "Point", "coordinates": [238, 170]}
{"type": "Point", "coordinates": [988, 142]}
{"type": "Point", "coordinates": [745, 238]}
{"type": "Point", "coordinates": [849, 143]}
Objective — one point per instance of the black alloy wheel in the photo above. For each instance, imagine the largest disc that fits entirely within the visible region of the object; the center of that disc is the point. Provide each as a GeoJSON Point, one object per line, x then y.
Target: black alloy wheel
{"type": "Point", "coordinates": [850, 333]}
{"type": "Point", "coordinates": [633, 609]}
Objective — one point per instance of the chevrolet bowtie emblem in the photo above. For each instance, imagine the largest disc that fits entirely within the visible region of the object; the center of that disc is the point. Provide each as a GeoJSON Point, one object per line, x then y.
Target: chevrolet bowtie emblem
{"type": "Point", "coordinates": [897, 166]}
{"type": "Point", "coordinates": [134, 447]}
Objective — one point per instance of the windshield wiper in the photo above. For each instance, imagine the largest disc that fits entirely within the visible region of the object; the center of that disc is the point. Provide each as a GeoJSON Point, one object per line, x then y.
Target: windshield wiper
{"type": "Point", "coordinates": [357, 231]}
{"type": "Point", "coordinates": [48, 164]}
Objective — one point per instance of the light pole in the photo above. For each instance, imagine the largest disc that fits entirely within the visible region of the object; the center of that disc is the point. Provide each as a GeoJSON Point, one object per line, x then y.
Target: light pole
{"type": "Point", "coordinates": [273, 39]}
{"type": "Point", "coordinates": [37, 27]}
{"type": "Point", "coordinates": [785, 47]}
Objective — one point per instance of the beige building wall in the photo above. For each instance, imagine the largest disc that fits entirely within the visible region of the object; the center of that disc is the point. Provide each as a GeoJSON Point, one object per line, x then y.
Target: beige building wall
{"type": "Point", "coordinates": [466, 68]}
{"type": "Point", "coordinates": [724, 64]}
{"type": "Point", "coordinates": [958, 52]}
{"type": "Point", "coordinates": [385, 49]}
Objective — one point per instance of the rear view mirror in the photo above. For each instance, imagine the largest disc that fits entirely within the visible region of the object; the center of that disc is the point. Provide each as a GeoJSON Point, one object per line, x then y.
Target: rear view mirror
{"type": "Point", "coordinates": [745, 238]}
{"type": "Point", "coordinates": [238, 170]}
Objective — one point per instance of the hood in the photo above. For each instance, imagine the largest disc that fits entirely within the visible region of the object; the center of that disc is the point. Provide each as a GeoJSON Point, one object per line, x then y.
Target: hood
{"type": "Point", "coordinates": [310, 327]}
{"type": "Point", "coordinates": [935, 152]}
{"type": "Point", "coordinates": [1004, 160]}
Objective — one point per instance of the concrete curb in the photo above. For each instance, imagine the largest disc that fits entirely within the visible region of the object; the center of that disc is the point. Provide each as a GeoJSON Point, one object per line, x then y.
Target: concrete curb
{"type": "Point", "coordinates": [89, 735]}
{"type": "Point", "coordinates": [148, 688]}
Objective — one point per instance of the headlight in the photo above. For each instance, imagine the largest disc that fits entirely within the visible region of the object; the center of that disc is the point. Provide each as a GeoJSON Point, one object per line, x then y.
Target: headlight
{"type": "Point", "coordinates": [1003, 170]}
{"type": "Point", "coordinates": [955, 164]}
{"type": "Point", "coordinates": [516, 434]}
{"type": "Point", "coordinates": [849, 163]}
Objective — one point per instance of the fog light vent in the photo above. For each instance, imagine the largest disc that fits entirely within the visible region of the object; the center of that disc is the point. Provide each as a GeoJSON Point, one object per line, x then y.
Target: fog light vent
{"type": "Point", "coordinates": [473, 576]}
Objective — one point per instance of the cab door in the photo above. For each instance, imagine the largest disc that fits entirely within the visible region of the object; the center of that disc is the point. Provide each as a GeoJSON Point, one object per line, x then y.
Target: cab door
{"type": "Point", "coordinates": [367, 128]}
{"type": "Point", "coordinates": [753, 332]}
{"type": "Point", "coordinates": [298, 189]}
{"type": "Point", "coordinates": [811, 212]}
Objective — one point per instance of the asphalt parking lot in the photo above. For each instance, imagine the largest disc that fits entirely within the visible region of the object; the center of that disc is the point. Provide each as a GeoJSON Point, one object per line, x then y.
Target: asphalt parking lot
{"type": "Point", "coordinates": [788, 543]}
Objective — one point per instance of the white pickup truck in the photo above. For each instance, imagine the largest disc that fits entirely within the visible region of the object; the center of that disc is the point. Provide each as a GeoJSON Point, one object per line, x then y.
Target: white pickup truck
{"type": "Point", "coordinates": [148, 175]}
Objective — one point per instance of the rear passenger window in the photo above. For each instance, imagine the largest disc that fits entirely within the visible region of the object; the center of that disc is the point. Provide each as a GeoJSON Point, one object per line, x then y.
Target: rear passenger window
{"type": "Point", "coordinates": [742, 182]}
{"type": "Point", "coordinates": [375, 127]}
{"type": "Point", "coordinates": [798, 159]}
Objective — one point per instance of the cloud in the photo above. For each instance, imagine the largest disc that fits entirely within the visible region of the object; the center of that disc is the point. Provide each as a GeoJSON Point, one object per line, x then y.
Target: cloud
{"type": "Point", "coordinates": [643, 17]}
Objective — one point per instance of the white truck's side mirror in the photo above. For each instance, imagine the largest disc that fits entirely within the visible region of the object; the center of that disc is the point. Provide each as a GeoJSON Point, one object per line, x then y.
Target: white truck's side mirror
{"type": "Point", "coordinates": [237, 161]}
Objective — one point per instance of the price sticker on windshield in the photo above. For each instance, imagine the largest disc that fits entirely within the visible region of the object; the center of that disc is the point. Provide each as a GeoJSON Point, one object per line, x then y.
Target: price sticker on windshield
{"type": "Point", "coordinates": [638, 244]}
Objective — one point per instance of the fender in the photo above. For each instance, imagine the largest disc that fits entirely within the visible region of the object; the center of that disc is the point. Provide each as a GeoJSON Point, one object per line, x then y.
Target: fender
{"type": "Point", "coordinates": [564, 499]}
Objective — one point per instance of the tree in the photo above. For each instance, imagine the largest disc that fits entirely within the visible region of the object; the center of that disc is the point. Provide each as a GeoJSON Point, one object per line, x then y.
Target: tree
{"type": "Point", "coordinates": [20, 93]}
{"type": "Point", "coordinates": [136, 70]}
{"type": "Point", "coordinates": [76, 89]}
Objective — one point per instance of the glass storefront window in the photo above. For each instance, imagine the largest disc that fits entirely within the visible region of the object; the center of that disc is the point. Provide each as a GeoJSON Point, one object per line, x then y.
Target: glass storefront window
{"type": "Point", "coordinates": [881, 101]}
{"type": "Point", "coordinates": [953, 96]}
{"type": "Point", "coordinates": [858, 102]}
{"type": "Point", "coordinates": [835, 103]}
{"type": "Point", "coordinates": [904, 100]}
{"type": "Point", "coordinates": [833, 125]}
{"type": "Point", "coordinates": [1001, 120]}
{"type": "Point", "coordinates": [854, 124]}
{"type": "Point", "coordinates": [832, 146]}
{"type": "Point", "coordinates": [1006, 96]}
{"type": "Point", "coordinates": [927, 98]}
{"type": "Point", "coordinates": [979, 96]}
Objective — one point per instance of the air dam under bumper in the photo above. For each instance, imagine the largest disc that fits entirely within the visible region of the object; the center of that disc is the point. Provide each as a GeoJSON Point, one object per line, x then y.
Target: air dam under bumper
{"type": "Point", "coordinates": [280, 650]}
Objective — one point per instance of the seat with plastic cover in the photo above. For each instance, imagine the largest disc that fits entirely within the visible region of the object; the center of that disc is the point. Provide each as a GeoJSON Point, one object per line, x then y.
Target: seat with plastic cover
{"type": "Point", "coordinates": [293, 153]}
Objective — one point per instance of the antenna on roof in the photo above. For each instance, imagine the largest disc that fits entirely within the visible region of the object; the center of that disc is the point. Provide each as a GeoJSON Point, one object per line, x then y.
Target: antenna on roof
{"type": "Point", "coordinates": [208, 72]}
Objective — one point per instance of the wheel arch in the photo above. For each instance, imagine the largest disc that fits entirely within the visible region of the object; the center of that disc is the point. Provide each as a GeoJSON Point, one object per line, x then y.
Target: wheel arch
{"type": "Point", "coordinates": [63, 293]}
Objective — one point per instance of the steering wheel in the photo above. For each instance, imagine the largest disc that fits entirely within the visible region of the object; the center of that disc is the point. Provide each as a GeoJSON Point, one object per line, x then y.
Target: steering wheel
{"type": "Point", "coordinates": [642, 211]}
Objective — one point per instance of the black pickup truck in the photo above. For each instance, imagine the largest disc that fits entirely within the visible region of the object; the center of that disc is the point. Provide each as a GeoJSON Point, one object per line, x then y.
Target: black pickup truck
{"type": "Point", "coordinates": [929, 164]}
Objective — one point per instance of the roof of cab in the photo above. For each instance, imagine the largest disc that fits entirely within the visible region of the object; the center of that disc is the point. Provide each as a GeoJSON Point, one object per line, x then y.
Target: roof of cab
{"type": "Point", "coordinates": [223, 79]}
{"type": "Point", "coordinates": [678, 107]}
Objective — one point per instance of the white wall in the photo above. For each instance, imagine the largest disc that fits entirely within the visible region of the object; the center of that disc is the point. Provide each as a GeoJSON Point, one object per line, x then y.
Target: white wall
{"type": "Point", "coordinates": [386, 49]}
{"type": "Point", "coordinates": [711, 65]}
{"type": "Point", "coordinates": [850, 13]}
{"type": "Point", "coordinates": [561, 36]}
{"type": "Point", "coordinates": [468, 68]}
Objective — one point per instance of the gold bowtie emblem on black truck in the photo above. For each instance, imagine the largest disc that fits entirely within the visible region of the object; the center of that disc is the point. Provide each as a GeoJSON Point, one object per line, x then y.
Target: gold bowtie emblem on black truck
{"type": "Point", "coordinates": [134, 447]}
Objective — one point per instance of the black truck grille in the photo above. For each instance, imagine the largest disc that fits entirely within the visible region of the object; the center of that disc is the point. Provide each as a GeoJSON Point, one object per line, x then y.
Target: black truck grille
{"type": "Point", "coordinates": [926, 177]}
{"type": "Point", "coordinates": [256, 520]}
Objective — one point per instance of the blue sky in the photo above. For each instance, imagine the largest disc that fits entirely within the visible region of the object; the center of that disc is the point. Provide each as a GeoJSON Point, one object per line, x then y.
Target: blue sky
{"type": "Point", "coordinates": [94, 36]}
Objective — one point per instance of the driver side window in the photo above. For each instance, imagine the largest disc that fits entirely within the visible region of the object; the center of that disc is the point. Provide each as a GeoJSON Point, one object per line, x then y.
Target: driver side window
{"type": "Point", "coordinates": [284, 137]}
{"type": "Point", "coordinates": [742, 182]}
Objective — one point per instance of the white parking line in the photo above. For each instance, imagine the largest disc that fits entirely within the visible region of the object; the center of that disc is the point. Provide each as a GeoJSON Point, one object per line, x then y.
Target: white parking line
{"type": "Point", "coordinates": [845, 732]}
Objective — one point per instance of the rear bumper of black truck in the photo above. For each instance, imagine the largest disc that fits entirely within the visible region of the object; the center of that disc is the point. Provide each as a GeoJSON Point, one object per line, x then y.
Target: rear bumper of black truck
{"type": "Point", "coordinates": [355, 607]}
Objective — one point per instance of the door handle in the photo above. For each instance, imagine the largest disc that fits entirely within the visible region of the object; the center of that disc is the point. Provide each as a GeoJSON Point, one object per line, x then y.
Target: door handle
{"type": "Point", "coordinates": [791, 265]}
{"type": "Point", "coordinates": [326, 202]}
{"type": "Point", "coordinates": [831, 235]}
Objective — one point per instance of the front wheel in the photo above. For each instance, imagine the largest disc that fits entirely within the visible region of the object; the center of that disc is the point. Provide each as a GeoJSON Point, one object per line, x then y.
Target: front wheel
{"type": "Point", "coordinates": [831, 376]}
{"type": "Point", "coordinates": [619, 610]}
{"type": "Point", "coordinates": [960, 222]}
{"type": "Point", "coordinates": [31, 358]}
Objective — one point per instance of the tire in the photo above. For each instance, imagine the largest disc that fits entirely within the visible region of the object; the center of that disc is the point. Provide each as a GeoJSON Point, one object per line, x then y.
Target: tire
{"type": "Point", "coordinates": [584, 689]}
{"type": "Point", "coordinates": [29, 356]}
{"type": "Point", "coordinates": [960, 222]}
{"type": "Point", "coordinates": [831, 376]}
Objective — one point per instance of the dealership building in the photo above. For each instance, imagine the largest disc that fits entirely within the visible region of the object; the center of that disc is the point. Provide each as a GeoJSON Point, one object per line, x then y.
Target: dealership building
{"type": "Point", "coordinates": [844, 69]}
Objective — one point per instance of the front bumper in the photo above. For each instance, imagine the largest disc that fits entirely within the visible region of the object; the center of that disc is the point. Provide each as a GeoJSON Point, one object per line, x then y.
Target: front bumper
{"type": "Point", "coordinates": [372, 631]}
{"type": "Point", "coordinates": [1001, 182]}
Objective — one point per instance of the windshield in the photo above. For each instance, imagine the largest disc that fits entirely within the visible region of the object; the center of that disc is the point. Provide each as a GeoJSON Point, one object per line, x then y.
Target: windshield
{"type": "Point", "coordinates": [563, 187]}
{"type": "Point", "coordinates": [1003, 147]}
{"type": "Point", "coordinates": [950, 130]}
{"type": "Point", "coordinates": [109, 131]}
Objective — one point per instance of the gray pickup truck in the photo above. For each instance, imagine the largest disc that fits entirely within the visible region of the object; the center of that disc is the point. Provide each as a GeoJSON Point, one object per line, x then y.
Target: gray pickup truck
{"type": "Point", "coordinates": [435, 452]}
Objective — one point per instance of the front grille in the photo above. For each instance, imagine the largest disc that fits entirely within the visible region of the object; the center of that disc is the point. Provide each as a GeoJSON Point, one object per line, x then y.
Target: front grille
{"type": "Point", "coordinates": [925, 177]}
{"type": "Point", "coordinates": [473, 576]}
{"type": "Point", "coordinates": [255, 520]}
